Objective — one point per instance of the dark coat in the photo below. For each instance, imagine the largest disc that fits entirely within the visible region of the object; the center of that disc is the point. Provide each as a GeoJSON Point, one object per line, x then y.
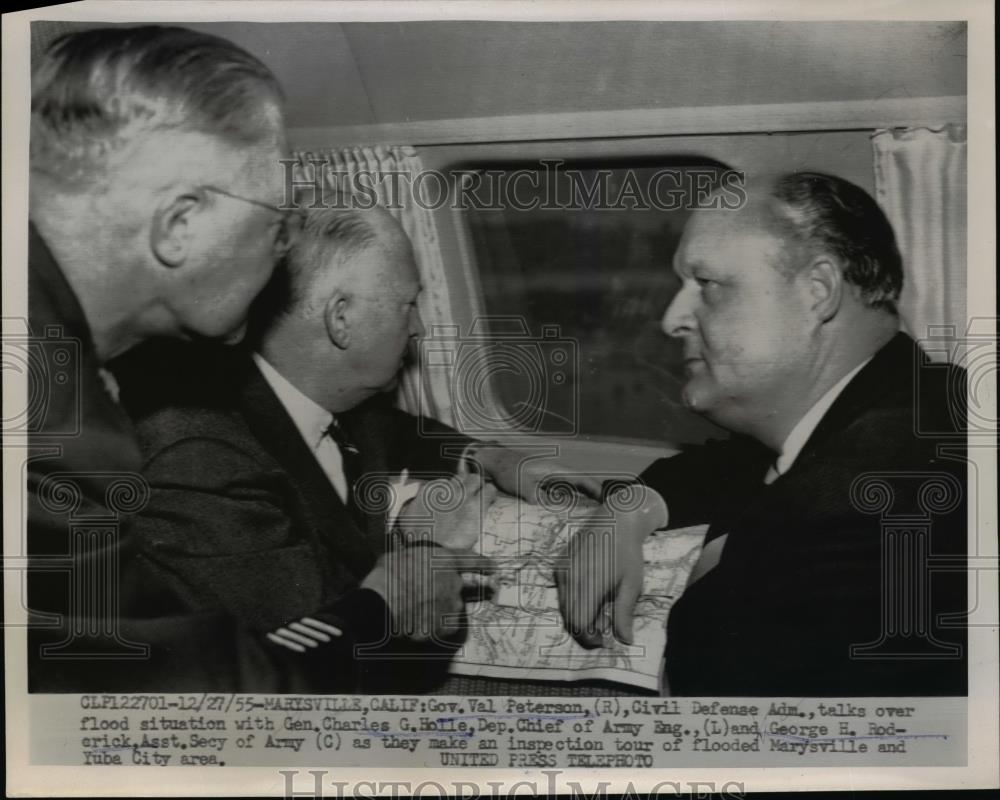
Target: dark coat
{"type": "Point", "coordinates": [84, 488]}
{"type": "Point", "coordinates": [242, 518]}
{"type": "Point", "coordinates": [801, 578]}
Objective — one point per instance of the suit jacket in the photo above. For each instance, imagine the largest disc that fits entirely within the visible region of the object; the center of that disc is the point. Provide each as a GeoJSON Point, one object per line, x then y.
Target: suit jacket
{"type": "Point", "coordinates": [814, 563]}
{"type": "Point", "coordinates": [242, 517]}
{"type": "Point", "coordinates": [84, 488]}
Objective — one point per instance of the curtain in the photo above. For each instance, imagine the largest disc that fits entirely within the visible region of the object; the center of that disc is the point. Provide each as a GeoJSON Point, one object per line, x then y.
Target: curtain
{"type": "Point", "coordinates": [390, 174]}
{"type": "Point", "coordinates": [920, 182]}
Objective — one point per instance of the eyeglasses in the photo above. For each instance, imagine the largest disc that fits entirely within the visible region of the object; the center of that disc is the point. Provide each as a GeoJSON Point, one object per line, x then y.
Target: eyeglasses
{"type": "Point", "coordinates": [288, 225]}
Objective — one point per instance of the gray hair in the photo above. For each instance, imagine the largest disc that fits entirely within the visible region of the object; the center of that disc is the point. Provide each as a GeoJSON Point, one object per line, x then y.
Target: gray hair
{"type": "Point", "coordinates": [326, 237]}
{"type": "Point", "coordinates": [95, 91]}
{"type": "Point", "coordinates": [830, 214]}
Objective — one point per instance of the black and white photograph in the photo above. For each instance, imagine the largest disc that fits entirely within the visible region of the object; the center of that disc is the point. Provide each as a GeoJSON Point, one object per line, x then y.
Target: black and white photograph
{"type": "Point", "coordinates": [499, 392]}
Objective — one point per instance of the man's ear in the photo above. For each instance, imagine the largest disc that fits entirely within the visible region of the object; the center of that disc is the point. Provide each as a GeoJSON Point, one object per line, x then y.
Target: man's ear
{"type": "Point", "coordinates": [173, 230]}
{"type": "Point", "coordinates": [335, 316]}
{"type": "Point", "coordinates": [826, 287]}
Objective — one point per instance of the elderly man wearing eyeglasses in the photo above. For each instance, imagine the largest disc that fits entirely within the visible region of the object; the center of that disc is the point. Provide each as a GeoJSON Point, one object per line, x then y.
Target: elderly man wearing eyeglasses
{"type": "Point", "coordinates": [155, 211]}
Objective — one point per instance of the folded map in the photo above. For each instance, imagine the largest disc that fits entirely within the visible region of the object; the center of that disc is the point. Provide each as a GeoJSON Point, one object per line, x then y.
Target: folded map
{"type": "Point", "coordinates": [518, 632]}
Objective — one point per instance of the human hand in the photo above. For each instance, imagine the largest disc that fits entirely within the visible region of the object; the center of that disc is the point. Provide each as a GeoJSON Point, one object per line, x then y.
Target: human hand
{"type": "Point", "coordinates": [604, 562]}
{"type": "Point", "coordinates": [450, 509]}
{"type": "Point", "coordinates": [422, 586]}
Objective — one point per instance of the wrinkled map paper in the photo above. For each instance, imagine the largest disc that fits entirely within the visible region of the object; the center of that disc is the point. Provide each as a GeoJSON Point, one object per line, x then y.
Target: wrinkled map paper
{"type": "Point", "coordinates": [518, 633]}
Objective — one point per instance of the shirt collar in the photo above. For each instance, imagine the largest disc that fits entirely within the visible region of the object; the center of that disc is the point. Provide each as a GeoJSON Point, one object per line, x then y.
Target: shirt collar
{"type": "Point", "coordinates": [309, 417]}
{"type": "Point", "coordinates": [803, 429]}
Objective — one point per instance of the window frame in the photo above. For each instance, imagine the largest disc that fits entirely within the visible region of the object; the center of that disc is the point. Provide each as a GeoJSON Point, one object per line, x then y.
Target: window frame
{"type": "Point", "coordinates": [724, 148]}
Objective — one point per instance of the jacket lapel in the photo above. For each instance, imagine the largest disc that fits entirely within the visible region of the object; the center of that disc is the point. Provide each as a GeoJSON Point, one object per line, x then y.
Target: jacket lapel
{"type": "Point", "coordinates": [890, 369]}
{"type": "Point", "coordinates": [330, 524]}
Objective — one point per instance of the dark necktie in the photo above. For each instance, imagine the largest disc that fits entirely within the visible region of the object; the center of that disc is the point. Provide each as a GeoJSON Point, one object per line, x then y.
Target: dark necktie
{"type": "Point", "coordinates": [351, 458]}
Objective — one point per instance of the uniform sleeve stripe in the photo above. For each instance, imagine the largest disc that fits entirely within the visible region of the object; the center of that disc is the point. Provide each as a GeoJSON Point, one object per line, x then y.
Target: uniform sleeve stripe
{"type": "Point", "coordinates": [285, 643]}
{"type": "Point", "coordinates": [315, 623]}
{"type": "Point", "coordinates": [296, 637]}
{"type": "Point", "coordinates": [307, 631]}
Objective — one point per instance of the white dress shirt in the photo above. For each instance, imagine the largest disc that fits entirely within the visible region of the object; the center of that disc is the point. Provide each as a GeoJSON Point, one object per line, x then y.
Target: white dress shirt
{"type": "Point", "coordinates": [312, 421]}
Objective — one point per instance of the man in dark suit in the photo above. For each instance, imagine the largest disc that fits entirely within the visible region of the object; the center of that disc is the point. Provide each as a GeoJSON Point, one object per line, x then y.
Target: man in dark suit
{"type": "Point", "coordinates": [155, 186]}
{"type": "Point", "coordinates": [837, 533]}
{"type": "Point", "coordinates": [268, 469]}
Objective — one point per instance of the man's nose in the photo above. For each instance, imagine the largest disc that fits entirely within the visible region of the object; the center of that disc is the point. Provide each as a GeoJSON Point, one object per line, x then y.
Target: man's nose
{"type": "Point", "coordinates": [678, 319]}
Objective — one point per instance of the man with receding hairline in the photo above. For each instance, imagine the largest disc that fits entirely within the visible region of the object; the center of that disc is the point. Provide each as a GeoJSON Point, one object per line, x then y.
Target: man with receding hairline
{"type": "Point", "coordinates": [787, 316]}
{"type": "Point", "coordinates": [156, 180]}
{"type": "Point", "coordinates": [154, 211]}
{"type": "Point", "coordinates": [258, 466]}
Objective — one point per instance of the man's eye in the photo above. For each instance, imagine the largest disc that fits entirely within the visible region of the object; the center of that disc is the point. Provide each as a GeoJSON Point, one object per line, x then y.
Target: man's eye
{"type": "Point", "coordinates": [706, 283]}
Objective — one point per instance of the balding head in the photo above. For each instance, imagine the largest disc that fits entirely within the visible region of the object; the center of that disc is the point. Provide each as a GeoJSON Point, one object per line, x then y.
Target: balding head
{"type": "Point", "coordinates": [780, 299]}
{"type": "Point", "coordinates": [324, 258]}
{"type": "Point", "coordinates": [340, 313]}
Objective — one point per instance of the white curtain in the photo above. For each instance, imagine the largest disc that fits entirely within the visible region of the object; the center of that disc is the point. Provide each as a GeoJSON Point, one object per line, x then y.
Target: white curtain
{"type": "Point", "coordinates": [391, 174]}
{"type": "Point", "coordinates": [920, 182]}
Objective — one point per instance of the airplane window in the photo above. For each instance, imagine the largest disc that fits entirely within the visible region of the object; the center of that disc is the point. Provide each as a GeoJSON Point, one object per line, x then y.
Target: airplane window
{"type": "Point", "coordinates": [577, 258]}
